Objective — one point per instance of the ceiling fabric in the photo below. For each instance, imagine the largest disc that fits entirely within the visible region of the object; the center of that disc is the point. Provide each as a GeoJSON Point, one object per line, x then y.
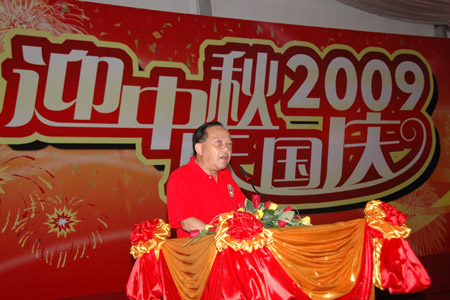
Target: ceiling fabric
{"type": "Point", "coordinates": [435, 12]}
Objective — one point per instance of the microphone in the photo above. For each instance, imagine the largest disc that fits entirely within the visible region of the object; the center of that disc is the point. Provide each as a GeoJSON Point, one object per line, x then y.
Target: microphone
{"type": "Point", "coordinates": [248, 178]}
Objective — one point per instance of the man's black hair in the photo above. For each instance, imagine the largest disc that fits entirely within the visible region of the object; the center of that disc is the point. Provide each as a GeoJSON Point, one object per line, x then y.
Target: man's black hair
{"type": "Point", "coordinates": [201, 135]}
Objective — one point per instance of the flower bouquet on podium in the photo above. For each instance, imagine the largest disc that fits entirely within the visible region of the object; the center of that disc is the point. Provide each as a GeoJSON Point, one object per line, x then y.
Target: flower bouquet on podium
{"type": "Point", "coordinates": [266, 213]}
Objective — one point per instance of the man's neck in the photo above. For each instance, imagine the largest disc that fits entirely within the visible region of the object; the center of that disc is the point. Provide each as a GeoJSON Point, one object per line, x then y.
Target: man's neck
{"type": "Point", "coordinates": [209, 172]}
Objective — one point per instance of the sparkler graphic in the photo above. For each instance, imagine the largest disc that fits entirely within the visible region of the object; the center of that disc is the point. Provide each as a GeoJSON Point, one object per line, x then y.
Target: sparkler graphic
{"type": "Point", "coordinates": [59, 18]}
{"type": "Point", "coordinates": [428, 223]}
{"type": "Point", "coordinates": [53, 227]}
{"type": "Point", "coordinates": [58, 229]}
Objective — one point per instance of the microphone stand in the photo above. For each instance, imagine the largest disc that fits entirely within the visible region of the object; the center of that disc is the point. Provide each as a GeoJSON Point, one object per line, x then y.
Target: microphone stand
{"type": "Point", "coordinates": [248, 178]}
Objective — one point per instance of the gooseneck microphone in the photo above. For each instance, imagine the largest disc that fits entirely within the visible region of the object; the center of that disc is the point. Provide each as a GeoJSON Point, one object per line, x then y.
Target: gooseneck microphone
{"type": "Point", "coordinates": [248, 178]}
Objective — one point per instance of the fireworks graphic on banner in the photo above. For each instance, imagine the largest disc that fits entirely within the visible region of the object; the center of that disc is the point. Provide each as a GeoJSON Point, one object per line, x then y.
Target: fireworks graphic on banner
{"type": "Point", "coordinates": [20, 177]}
{"type": "Point", "coordinates": [58, 229]}
{"type": "Point", "coordinates": [53, 227]}
{"type": "Point", "coordinates": [56, 19]}
{"type": "Point", "coordinates": [427, 221]}
{"type": "Point", "coordinates": [62, 221]}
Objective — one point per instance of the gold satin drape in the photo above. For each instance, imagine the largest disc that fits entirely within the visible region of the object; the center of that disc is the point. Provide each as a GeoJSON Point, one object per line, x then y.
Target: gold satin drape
{"type": "Point", "coordinates": [190, 265]}
{"type": "Point", "coordinates": [324, 260]}
{"type": "Point", "coordinates": [375, 218]}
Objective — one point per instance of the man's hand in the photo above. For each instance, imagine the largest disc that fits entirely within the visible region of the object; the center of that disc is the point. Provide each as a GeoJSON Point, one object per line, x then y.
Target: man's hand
{"type": "Point", "coordinates": [192, 223]}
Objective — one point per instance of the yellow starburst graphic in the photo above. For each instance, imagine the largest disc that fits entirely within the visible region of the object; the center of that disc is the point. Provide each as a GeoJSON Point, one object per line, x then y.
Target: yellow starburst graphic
{"type": "Point", "coordinates": [62, 221]}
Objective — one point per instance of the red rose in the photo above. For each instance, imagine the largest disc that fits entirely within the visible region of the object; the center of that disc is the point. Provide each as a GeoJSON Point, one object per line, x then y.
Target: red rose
{"type": "Point", "coordinates": [194, 233]}
{"type": "Point", "coordinates": [289, 208]}
{"type": "Point", "coordinates": [281, 223]}
{"type": "Point", "coordinates": [143, 232]}
{"type": "Point", "coordinates": [244, 226]}
{"type": "Point", "coordinates": [256, 200]}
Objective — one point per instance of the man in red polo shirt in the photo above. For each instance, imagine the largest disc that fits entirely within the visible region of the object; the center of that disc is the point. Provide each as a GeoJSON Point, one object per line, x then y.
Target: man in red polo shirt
{"type": "Point", "coordinates": [204, 188]}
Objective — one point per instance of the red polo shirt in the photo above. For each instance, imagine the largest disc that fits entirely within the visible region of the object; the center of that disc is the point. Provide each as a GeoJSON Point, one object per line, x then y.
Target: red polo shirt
{"type": "Point", "coordinates": [193, 193]}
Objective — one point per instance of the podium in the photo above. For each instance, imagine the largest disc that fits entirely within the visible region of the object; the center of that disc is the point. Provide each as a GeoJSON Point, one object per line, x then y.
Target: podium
{"type": "Point", "coordinates": [344, 260]}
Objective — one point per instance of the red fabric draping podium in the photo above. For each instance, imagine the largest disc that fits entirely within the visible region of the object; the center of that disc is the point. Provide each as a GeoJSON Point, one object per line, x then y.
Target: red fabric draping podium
{"type": "Point", "coordinates": [344, 260]}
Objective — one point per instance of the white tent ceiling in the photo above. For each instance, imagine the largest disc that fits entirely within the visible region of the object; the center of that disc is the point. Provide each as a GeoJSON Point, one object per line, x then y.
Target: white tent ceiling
{"type": "Point", "coordinates": [435, 12]}
{"type": "Point", "coordinates": [414, 17]}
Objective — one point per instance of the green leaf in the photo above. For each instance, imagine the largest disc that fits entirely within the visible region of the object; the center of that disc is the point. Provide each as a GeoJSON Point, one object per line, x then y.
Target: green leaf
{"type": "Point", "coordinates": [278, 213]}
{"type": "Point", "coordinates": [287, 215]}
{"type": "Point", "coordinates": [249, 206]}
{"type": "Point", "coordinates": [269, 212]}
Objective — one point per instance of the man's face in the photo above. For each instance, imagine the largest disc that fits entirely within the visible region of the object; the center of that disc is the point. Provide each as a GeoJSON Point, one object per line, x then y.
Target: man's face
{"type": "Point", "coordinates": [214, 153]}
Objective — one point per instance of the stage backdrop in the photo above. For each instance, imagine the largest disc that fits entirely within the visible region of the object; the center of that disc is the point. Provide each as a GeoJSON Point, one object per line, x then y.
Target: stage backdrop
{"type": "Point", "coordinates": [98, 104]}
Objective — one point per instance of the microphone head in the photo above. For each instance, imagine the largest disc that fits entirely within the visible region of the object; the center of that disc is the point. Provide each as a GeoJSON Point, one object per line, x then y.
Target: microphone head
{"type": "Point", "coordinates": [246, 176]}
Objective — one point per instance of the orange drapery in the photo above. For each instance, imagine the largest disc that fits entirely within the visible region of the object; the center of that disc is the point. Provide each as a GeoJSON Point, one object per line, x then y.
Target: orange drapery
{"type": "Point", "coordinates": [324, 259]}
{"type": "Point", "coordinates": [190, 266]}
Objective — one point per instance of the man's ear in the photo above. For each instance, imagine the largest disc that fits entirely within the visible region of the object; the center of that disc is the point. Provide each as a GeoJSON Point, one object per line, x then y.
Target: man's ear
{"type": "Point", "coordinates": [198, 148]}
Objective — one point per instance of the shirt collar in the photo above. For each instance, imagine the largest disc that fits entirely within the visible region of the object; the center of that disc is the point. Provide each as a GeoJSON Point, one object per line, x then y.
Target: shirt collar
{"type": "Point", "coordinates": [198, 170]}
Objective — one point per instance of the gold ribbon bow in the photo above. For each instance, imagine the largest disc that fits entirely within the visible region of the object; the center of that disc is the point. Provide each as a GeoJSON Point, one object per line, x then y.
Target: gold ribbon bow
{"type": "Point", "coordinates": [161, 234]}
{"type": "Point", "coordinates": [375, 216]}
{"type": "Point", "coordinates": [224, 240]}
